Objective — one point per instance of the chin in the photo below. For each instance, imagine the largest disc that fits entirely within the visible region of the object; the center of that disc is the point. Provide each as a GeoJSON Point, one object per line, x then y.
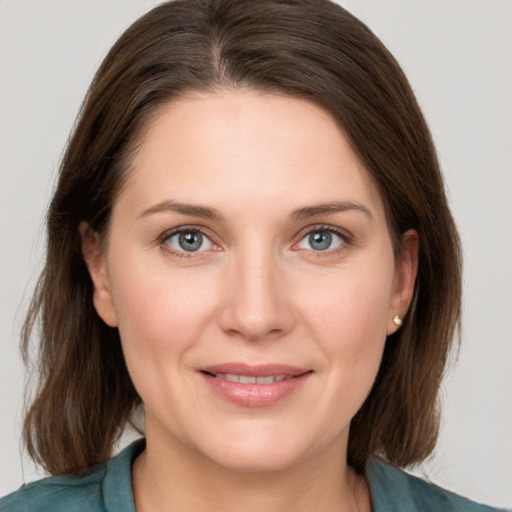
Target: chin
{"type": "Point", "coordinates": [256, 461]}
{"type": "Point", "coordinates": [262, 451]}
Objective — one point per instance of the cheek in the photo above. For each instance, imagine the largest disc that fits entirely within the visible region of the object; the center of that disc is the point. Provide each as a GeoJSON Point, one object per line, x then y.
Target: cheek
{"type": "Point", "coordinates": [350, 316]}
{"type": "Point", "coordinates": [161, 317]}
{"type": "Point", "coordinates": [161, 314]}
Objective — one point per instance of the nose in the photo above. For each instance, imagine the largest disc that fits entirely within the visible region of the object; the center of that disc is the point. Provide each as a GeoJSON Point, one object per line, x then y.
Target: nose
{"type": "Point", "coordinates": [256, 305]}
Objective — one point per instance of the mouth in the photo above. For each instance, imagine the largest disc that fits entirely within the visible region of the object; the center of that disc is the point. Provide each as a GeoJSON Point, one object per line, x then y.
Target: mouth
{"type": "Point", "coordinates": [250, 379]}
{"type": "Point", "coordinates": [254, 386]}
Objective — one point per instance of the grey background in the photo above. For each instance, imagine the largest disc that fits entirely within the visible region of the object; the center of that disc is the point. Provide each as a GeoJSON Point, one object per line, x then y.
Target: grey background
{"type": "Point", "coordinates": [458, 56]}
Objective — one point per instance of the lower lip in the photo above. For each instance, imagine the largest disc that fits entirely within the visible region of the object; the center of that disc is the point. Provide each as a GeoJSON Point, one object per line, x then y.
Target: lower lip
{"type": "Point", "coordinates": [255, 395]}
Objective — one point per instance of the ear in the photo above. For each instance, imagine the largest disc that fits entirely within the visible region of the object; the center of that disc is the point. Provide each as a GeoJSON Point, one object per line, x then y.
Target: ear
{"type": "Point", "coordinates": [406, 269]}
{"type": "Point", "coordinates": [94, 258]}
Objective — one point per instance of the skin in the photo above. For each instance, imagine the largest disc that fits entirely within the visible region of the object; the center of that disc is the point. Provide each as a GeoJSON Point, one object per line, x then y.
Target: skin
{"type": "Point", "coordinates": [257, 292]}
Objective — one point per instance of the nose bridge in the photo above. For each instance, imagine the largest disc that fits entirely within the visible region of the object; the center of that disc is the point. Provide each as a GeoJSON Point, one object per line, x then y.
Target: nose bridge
{"type": "Point", "coordinates": [256, 304]}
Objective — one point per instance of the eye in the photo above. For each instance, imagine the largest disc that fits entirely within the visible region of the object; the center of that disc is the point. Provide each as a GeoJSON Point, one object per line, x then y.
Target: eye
{"type": "Point", "coordinates": [321, 240]}
{"type": "Point", "coordinates": [189, 240]}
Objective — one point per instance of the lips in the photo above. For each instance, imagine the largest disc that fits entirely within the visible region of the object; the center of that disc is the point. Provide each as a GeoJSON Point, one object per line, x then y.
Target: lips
{"type": "Point", "coordinates": [251, 379]}
{"type": "Point", "coordinates": [254, 386]}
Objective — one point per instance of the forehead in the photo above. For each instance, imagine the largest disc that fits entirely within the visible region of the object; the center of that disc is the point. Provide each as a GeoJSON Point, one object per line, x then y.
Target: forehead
{"type": "Point", "coordinates": [247, 147]}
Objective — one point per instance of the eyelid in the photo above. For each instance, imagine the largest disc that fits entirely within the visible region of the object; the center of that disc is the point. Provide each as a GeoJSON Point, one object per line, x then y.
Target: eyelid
{"type": "Point", "coordinates": [166, 235]}
{"type": "Point", "coordinates": [344, 234]}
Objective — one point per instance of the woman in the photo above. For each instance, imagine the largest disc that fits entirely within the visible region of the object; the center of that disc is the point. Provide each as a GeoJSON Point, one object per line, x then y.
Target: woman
{"type": "Point", "coordinates": [243, 240]}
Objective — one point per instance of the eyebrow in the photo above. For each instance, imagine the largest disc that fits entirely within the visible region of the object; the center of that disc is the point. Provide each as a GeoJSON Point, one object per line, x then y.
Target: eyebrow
{"type": "Point", "coordinates": [212, 214]}
{"type": "Point", "coordinates": [328, 208]}
{"type": "Point", "coordinates": [183, 208]}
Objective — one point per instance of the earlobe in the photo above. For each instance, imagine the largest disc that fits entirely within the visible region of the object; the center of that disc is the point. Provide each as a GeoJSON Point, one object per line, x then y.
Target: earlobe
{"type": "Point", "coordinates": [94, 258]}
{"type": "Point", "coordinates": [406, 269]}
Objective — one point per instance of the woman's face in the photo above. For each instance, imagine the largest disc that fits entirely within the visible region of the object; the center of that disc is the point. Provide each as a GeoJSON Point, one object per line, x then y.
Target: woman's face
{"type": "Point", "coordinates": [250, 271]}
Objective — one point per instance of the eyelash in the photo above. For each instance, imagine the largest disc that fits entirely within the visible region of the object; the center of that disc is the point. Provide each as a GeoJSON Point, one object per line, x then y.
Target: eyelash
{"type": "Point", "coordinates": [164, 238]}
{"type": "Point", "coordinates": [344, 235]}
{"type": "Point", "coordinates": [347, 239]}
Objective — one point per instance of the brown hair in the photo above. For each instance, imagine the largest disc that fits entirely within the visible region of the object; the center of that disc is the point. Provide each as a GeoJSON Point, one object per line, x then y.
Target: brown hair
{"type": "Point", "coordinates": [310, 49]}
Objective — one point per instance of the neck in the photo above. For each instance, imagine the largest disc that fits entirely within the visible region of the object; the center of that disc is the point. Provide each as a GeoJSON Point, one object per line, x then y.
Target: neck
{"type": "Point", "coordinates": [170, 477]}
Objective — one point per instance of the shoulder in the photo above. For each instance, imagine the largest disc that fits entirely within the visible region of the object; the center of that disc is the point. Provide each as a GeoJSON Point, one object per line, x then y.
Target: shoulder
{"type": "Point", "coordinates": [104, 488]}
{"type": "Point", "coordinates": [59, 493]}
{"type": "Point", "coordinates": [395, 490]}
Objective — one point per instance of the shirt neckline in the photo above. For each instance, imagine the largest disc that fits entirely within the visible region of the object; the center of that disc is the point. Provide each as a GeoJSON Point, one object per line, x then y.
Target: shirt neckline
{"type": "Point", "coordinates": [117, 487]}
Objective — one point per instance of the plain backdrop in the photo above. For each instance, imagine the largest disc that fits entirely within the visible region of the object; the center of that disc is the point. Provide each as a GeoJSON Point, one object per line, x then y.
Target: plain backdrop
{"type": "Point", "coordinates": [458, 56]}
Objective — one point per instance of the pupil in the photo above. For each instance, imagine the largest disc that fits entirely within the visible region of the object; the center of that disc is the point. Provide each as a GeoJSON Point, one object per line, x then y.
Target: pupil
{"type": "Point", "coordinates": [190, 241]}
{"type": "Point", "coordinates": [320, 240]}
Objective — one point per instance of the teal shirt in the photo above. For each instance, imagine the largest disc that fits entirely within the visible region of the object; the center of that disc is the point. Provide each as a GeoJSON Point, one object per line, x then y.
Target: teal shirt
{"type": "Point", "coordinates": [108, 488]}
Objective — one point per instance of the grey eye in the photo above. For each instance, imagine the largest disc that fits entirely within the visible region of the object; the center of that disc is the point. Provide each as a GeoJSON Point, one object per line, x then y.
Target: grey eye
{"type": "Point", "coordinates": [321, 240]}
{"type": "Point", "coordinates": [189, 241]}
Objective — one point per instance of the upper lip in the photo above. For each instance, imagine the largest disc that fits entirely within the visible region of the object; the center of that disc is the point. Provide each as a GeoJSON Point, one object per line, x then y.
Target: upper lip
{"type": "Point", "coordinates": [260, 370]}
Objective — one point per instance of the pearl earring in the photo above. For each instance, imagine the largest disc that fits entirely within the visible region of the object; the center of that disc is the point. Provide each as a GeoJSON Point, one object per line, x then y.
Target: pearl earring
{"type": "Point", "coordinates": [397, 321]}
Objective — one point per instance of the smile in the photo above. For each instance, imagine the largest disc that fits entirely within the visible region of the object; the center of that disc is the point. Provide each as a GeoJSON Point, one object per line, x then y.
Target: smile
{"type": "Point", "coordinates": [251, 379]}
{"type": "Point", "coordinates": [254, 386]}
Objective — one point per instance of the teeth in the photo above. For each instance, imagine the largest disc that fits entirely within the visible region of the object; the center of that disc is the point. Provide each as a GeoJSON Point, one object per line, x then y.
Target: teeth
{"type": "Point", "coordinates": [249, 379]}
{"type": "Point", "coordinates": [265, 380]}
